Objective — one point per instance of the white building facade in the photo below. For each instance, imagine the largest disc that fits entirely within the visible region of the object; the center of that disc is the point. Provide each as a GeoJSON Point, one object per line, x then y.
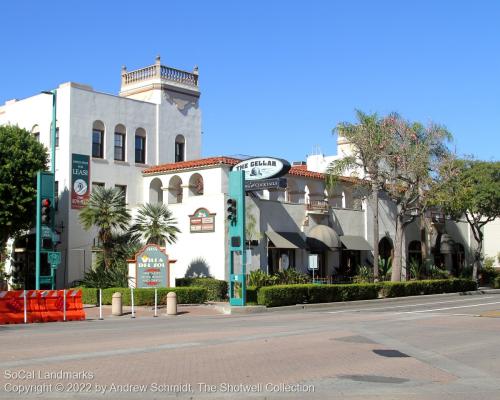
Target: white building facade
{"type": "Point", "coordinates": [155, 119]}
{"type": "Point", "coordinates": [147, 141]}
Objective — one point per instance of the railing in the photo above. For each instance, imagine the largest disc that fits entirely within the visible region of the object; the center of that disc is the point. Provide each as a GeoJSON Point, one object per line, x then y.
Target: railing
{"type": "Point", "coordinates": [317, 205]}
{"type": "Point", "coordinates": [160, 71]}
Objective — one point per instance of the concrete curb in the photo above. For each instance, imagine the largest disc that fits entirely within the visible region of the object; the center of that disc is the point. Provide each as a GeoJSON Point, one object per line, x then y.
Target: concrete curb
{"type": "Point", "coordinates": [390, 300]}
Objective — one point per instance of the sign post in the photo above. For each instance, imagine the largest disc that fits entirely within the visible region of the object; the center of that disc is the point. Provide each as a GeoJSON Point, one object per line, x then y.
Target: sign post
{"type": "Point", "coordinates": [151, 265]}
{"type": "Point", "coordinates": [237, 237]}
{"type": "Point", "coordinates": [313, 263]}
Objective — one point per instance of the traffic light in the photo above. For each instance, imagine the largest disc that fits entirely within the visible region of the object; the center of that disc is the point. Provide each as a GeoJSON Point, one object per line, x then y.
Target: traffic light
{"type": "Point", "coordinates": [231, 210]}
{"type": "Point", "coordinates": [46, 211]}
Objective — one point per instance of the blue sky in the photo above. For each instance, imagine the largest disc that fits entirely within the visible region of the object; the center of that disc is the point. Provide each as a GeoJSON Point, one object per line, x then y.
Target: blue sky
{"type": "Point", "coordinates": [276, 76]}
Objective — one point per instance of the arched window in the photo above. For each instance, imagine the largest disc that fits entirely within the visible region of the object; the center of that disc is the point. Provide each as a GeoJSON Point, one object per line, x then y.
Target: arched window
{"type": "Point", "coordinates": [155, 191]}
{"type": "Point", "coordinates": [98, 139]}
{"type": "Point", "coordinates": [196, 185]}
{"type": "Point", "coordinates": [175, 190]}
{"type": "Point", "coordinates": [140, 146]}
{"type": "Point", "coordinates": [180, 148]}
{"type": "Point", "coordinates": [35, 131]}
{"type": "Point", "coordinates": [120, 140]}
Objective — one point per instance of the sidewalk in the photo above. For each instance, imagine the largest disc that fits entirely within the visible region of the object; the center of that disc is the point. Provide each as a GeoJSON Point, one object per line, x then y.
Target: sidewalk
{"type": "Point", "coordinates": [190, 310]}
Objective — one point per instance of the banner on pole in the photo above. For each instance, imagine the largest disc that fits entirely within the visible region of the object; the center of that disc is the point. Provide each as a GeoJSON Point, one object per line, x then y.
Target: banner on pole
{"type": "Point", "coordinates": [80, 180]}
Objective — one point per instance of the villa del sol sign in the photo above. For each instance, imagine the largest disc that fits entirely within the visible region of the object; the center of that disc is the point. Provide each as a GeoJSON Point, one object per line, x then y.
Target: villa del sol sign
{"type": "Point", "coordinates": [151, 265]}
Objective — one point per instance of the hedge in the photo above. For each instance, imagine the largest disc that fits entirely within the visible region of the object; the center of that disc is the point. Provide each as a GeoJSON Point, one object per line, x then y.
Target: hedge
{"type": "Point", "coordinates": [283, 295]}
{"type": "Point", "coordinates": [146, 296]}
{"type": "Point", "coordinates": [415, 288]}
{"type": "Point", "coordinates": [217, 290]}
{"type": "Point", "coordinates": [496, 282]}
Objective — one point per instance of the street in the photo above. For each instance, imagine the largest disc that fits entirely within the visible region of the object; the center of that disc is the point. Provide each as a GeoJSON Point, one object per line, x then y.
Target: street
{"type": "Point", "coordinates": [425, 347]}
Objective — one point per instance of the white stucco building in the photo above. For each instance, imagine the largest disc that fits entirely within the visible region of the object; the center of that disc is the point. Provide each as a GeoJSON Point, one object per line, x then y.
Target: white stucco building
{"type": "Point", "coordinates": [147, 141]}
{"type": "Point", "coordinates": [154, 119]}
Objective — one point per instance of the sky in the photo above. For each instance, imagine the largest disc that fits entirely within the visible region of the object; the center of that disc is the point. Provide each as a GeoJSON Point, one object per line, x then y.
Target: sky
{"type": "Point", "coordinates": [276, 76]}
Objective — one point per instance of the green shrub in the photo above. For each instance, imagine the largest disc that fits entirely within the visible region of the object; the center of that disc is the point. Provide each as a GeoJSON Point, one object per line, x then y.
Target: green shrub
{"type": "Point", "coordinates": [282, 295]}
{"type": "Point", "coordinates": [415, 288]}
{"type": "Point", "coordinates": [259, 278]}
{"type": "Point", "coordinates": [488, 275]}
{"type": "Point", "coordinates": [496, 282]}
{"type": "Point", "coordinates": [291, 276]}
{"type": "Point", "coordinates": [217, 290]}
{"type": "Point", "coordinates": [364, 275]}
{"type": "Point", "coordinates": [252, 294]}
{"type": "Point", "coordinates": [146, 296]}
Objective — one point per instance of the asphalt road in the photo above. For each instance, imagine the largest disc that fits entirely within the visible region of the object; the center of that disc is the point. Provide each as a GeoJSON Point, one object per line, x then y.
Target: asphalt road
{"type": "Point", "coordinates": [427, 347]}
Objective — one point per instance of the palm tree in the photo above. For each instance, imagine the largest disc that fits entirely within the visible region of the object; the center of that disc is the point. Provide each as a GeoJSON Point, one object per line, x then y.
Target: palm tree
{"type": "Point", "coordinates": [154, 224]}
{"type": "Point", "coordinates": [106, 210]}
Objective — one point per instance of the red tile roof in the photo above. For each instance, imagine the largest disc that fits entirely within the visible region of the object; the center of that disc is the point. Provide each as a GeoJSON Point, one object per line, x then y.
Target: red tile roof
{"type": "Point", "coordinates": [202, 162]}
{"type": "Point", "coordinates": [299, 170]}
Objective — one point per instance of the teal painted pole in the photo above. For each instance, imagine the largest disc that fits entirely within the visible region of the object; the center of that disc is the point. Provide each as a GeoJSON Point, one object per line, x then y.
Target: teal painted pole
{"type": "Point", "coordinates": [53, 135]}
{"type": "Point", "coordinates": [38, 229]}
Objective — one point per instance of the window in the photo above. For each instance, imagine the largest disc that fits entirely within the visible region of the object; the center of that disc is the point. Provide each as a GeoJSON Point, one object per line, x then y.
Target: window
{"type": "Point", "coordinates": [97, 184]}
{"type": "Point", "coordinates": [35, 131]}
{"type": "Point", "coordinates": [57, 137]}
{"type": "Point", "coordinates": [180, 148]}
{"type": "Point", "coordinates": [119, 146]}
{"type": "Point", "coordinates": [97, 143]}
{"type": "Point", "coordinates": [140, 149]}
{"type": "Point", "coordinates": [98, 139]}
{"type": "Point", "coordinates": [123, 189]}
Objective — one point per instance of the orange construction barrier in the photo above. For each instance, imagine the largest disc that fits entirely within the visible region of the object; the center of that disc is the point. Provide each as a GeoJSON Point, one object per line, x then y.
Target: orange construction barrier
{"type": "Point", "coordinates": [74, 305]}
{"type": "Point", "coordinates": [41, 306]}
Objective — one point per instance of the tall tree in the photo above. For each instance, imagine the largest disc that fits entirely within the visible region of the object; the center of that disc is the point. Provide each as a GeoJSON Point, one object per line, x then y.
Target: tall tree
{"type": "Point", "coordinates": [106, 210]}
{"type": "Point", "coordinates": [21, 156]}
{"type": "Point", "coordinates": [472, 189]}
{"type": "Point", "coordinates": [155, 224]}
{"type": "Point", "coordinates": [415, 153]}
{"type": "Point", "coordinates": [369, 141]}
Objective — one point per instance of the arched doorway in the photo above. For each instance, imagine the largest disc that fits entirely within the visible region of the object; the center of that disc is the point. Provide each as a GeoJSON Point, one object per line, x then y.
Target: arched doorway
{"type": "Point", "coordinates": [385, 253]}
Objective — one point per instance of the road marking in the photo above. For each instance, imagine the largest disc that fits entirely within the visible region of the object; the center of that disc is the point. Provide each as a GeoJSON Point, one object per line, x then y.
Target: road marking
{"type": "Point", "coordinates": [447, 308]}
{"type": "Point", "coordinates": [406, 305]}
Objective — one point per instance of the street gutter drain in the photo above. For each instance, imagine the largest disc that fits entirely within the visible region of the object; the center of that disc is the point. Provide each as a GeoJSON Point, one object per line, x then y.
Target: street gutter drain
{"type": "Point", "coordinates": [373, 378]}
{"type": "Point", "coordinates": [390, 353]}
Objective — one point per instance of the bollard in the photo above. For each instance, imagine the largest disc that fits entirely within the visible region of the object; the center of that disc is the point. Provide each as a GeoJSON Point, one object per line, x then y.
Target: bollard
{"type": "Point", "coordinates": [171, 303]}
{"type": "Point", "coordinates": [116, 304]}
{"type": "Point", "coordinates": [25, 308]}
{"type": "Point", "coordinates": [132, 302]}
{"type": "Point", "coordinates": [100, 305]}
{"type": "Point", "coordinates": [156, 302]}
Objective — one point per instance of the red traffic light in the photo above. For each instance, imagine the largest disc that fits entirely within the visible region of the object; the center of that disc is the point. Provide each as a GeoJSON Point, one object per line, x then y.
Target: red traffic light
{"type": "Point", "coordinates": [46, 203]}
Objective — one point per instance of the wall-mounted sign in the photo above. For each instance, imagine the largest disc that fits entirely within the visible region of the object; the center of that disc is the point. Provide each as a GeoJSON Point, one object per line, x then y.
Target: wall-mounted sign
{"type": "Point", "coordinates": [263, 168]}
{"type": "Point", "coordinates": [80, 179]}
{"type": "Point", "coordinates": [202, 221]}
{"type": "Point", "coordinates": [275, 183]}
{"type": "Point", "coordinates": [151, 265]}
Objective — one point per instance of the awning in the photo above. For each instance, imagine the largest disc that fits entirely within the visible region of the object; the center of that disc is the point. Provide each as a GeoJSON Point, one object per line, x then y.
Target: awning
{"type": "Point", "coordinates": [355, 243]}
{"type": "Point", "coordinates": [322, 238]}
{"type": "Point", "coordinates": [286, 240]}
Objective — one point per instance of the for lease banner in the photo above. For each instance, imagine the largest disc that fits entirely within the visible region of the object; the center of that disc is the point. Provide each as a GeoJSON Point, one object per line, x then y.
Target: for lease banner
{"type": "Point", "coordinates": [80, 180]}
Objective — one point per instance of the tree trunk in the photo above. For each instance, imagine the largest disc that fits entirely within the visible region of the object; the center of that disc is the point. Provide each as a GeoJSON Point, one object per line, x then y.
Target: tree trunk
{"type": "Point", "coordinates": [375, 231]}
{"type": "Point", "coordinates": [398, 250]}
{"type": "Point", "coordinates": [476, 268]}
{"type": "Point", "coordinates": [423, 241]}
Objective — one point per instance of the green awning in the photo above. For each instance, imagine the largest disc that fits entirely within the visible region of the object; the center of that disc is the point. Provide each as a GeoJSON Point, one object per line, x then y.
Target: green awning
{"type": "Point", "coordinates": [355, 243]}
{"type": "Point", "coordinates": [286, 240]}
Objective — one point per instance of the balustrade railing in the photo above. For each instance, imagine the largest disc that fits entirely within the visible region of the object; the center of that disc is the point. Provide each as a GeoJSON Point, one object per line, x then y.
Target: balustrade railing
{"type": "Point", "coordinates": [163, 72]}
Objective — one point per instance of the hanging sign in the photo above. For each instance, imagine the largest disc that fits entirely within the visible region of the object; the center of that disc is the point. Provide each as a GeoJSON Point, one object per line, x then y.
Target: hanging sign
{"type": "Point", "coordinates": [202, 221]}
{"type": "Point", "coordinates": [275, 183]}
{"type": "Point", "coordinates": [151, 265]}
{"type": "Point", "coordinates": [80, 179]}
{"type": "Point", "coordinates": [263, 168]}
